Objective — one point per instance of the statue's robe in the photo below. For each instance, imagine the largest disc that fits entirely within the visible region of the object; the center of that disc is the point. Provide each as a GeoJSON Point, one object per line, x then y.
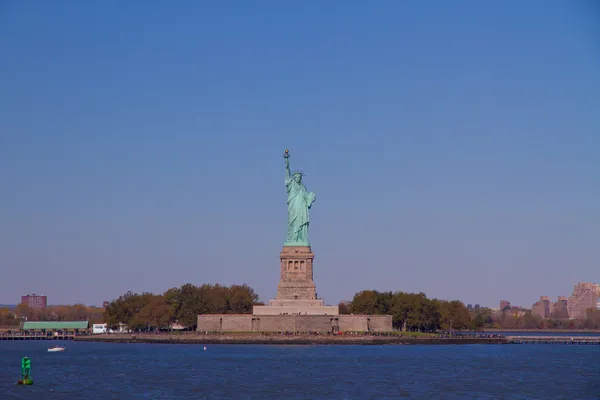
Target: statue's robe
{"type": "Point", "coordinates": [299, 202]}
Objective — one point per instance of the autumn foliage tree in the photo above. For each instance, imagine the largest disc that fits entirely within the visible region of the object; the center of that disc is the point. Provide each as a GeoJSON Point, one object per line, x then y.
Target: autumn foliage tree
{"type": "Point", "coordinates": [76, 312]}
{"type": "Point", "coordinates": [453, 315]}
{"type": "Point", "coordinates": [181, 305]}
{"type": "Point", "coordinates": [8, 318]}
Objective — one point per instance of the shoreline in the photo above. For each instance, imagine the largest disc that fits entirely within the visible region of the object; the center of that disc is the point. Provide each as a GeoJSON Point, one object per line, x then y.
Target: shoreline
{"type": "Point", "coordinates": [495, 330]}
{"type": "Point", "coordinates": [283, 340]}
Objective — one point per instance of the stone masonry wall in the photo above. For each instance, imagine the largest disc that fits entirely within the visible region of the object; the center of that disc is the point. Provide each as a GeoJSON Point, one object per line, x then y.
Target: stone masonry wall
{"type": "Point", "coordinates": [381, 323]}
{"type": "Point", "coordinates": [225, 322]}
{"type": "Point", "coordinates": [364, 323]}
{"type": "Point", "coordinates": [294, 323]}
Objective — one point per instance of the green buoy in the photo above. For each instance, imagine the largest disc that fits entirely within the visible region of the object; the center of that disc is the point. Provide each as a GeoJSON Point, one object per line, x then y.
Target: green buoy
{"type": "Point", "coordinates": [25, 372]}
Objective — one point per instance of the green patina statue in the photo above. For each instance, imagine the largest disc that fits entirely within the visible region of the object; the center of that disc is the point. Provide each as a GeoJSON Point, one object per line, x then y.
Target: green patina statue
{"type": "Point", "coordinates": [299, 201]}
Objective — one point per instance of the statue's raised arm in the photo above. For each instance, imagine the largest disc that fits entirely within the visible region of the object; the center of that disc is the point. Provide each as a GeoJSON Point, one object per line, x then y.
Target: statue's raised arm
{"type": "Point", "coordinates": [299, 201]}
{"type": "Point", "coordinates": [286, 157]}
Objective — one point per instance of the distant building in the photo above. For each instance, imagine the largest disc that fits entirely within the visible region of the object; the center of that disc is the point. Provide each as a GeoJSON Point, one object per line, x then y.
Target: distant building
{"type": "Point", "coordinates": [504, 304]}
{"type": "Point", "coordinates": [34, 300]}
{"type": "Point", "coordinates": [546, 309]}
{"type": "Point", "coordinates": [585, 296]}
{"type": "Point", "coordinates": [477, 306]}
{"type": "Point", "coordinates": [560, 309]}
{"type": "Point", "coordinates": [469, 307]}
{"type": "Point", "coordinates": [542, 307]}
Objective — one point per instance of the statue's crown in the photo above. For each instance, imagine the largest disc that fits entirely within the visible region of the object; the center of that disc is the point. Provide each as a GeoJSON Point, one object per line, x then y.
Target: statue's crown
{"type": "Point", "coordinates": [298, 172]}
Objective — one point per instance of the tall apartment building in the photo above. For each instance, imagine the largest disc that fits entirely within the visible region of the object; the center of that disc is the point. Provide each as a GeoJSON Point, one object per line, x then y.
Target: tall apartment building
{"type": "Point", "coordinates": [560, 309]}
{"type": "Point", "coordinates": [542, 307]}
{"type": "Point", "coordinates": [34, 300]}
{"type": "Point", "coordinates": [585, 296]}
{"type": "Point", "coordinates": [504, 304]}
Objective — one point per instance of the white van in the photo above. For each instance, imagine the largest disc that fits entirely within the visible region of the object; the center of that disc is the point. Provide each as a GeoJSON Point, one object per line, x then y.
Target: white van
{"type": "Point", "coordinates": [98, 328]}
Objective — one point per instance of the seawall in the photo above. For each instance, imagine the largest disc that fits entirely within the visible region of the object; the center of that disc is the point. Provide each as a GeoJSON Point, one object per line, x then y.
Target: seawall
{"type": "Point", "coordinates": [542, 331]}
{"type": "Point", "coordinates": [283, 339]}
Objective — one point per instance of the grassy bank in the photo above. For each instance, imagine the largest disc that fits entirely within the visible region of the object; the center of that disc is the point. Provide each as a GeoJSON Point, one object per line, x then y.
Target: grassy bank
{"type": "Point", "coordinates": [283, 339]}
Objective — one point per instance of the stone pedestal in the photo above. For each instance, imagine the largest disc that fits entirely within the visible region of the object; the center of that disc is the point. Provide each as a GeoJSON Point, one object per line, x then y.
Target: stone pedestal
{"type": "Point", "coordinates": [296, 277]}
{"type": "Point", "coordinates": [296, 292]}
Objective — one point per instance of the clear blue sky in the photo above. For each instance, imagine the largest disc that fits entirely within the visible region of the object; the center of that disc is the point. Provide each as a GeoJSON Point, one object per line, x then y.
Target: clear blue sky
{"type": "Point", "coordinates": [454, 147]}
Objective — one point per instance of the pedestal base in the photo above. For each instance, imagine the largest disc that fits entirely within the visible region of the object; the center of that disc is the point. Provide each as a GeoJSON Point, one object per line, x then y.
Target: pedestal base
{"type": "Point", "coordinates": [296, 292]}
{"type": "Point", "coordinates": [296, 307]}
{"type": "Point", "coordinates": [293, 323]}
{"type": "Point", "coordinates": [296, 303]}
{"type": "Point", "coordinates": [296, 276]}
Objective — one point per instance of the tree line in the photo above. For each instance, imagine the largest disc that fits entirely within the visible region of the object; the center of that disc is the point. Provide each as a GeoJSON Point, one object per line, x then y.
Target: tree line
{"type": "Point", "coordinates": [411, 311]}
{"type": "Point", "coordinates": [179, 305]}
{"type": "Point", "coordinates": [526, 319]}
{"type": "Point", "coordinates": [416, 312]}
{"type": "Point", "coordinates": [76, 312]}
{"type": "Point", "coordinates": [8, 318]}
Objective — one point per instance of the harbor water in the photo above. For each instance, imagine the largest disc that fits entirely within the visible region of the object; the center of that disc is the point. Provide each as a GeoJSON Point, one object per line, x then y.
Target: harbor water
{"type": "Point", "coordinates": [165, 372]}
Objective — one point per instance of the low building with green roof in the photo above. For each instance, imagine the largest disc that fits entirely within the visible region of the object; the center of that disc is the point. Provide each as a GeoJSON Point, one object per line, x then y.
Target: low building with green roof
{"type": "Point", "coordinates": [55, 326]}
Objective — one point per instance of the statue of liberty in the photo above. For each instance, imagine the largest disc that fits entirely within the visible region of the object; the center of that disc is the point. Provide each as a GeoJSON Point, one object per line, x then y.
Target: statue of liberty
{"type": "Point", "coordinates": [299, 201]}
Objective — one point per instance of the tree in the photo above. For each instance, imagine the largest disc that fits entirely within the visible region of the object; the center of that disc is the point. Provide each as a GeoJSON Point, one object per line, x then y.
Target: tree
{"type": "Point", "coordinates": [484, 314]}
{"type": "Point", "coordinates": [180, 305]}
{"type": "Point", "coordinates": [410, 311]}
{"type": "Point", "coordinates": [76, 312]}
{"type": "Point", "coordinates": [125, 308]}
{"type": "Point", "coordinates": [8, 318]}
{"type": "Point", "coordinates": [365, 302]}
{"type": "Point", "coordinates": [157, 313]}
{"type": "Point", "coordinates": [423, 313]}
{"type": "Point", "coordinates": [23, 311]}
{"type": "Point", "coordinates": [344, 308]}
{"type": "Point", "coordinates": [454, 315]}
{"type": "Point", "coordinates": [79, 312]}
{"type": "Point", "coordinates": [401, 307]}
{"type": "Point", "coordinates": [530, 320]}
{"type": "Point", "coordinates": [241, 299]}
{"type": "Point", "coordinates": [192, 301]}
{"type": "Point", "coordinates": [477, 323]}
{"type": "Point", "coordinates": [384, 302]}
{"type": "Point", "coordinates": [429, 318]}
{"type": "Point", "coordinates": [216, 298]}
{"type": "Point", "coordinates": [173, 299]}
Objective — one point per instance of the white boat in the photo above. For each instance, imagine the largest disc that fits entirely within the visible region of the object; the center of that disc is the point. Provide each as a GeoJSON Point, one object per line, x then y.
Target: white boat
{"type": "Point", "coordinates": [56, 348]}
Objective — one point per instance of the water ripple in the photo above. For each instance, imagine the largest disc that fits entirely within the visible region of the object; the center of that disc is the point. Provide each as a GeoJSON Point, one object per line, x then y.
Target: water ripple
{"type": "Point", "coordinates": [165, 372]}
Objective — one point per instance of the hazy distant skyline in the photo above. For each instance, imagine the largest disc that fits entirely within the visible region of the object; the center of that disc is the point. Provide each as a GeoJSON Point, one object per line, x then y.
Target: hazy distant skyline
{"type": "Point", "coordinates": [452, 146]}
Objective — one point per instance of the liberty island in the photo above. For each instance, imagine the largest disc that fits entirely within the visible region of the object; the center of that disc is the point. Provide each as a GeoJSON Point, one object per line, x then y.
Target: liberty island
{"type": "Point", "coordinates": [296, 307]}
